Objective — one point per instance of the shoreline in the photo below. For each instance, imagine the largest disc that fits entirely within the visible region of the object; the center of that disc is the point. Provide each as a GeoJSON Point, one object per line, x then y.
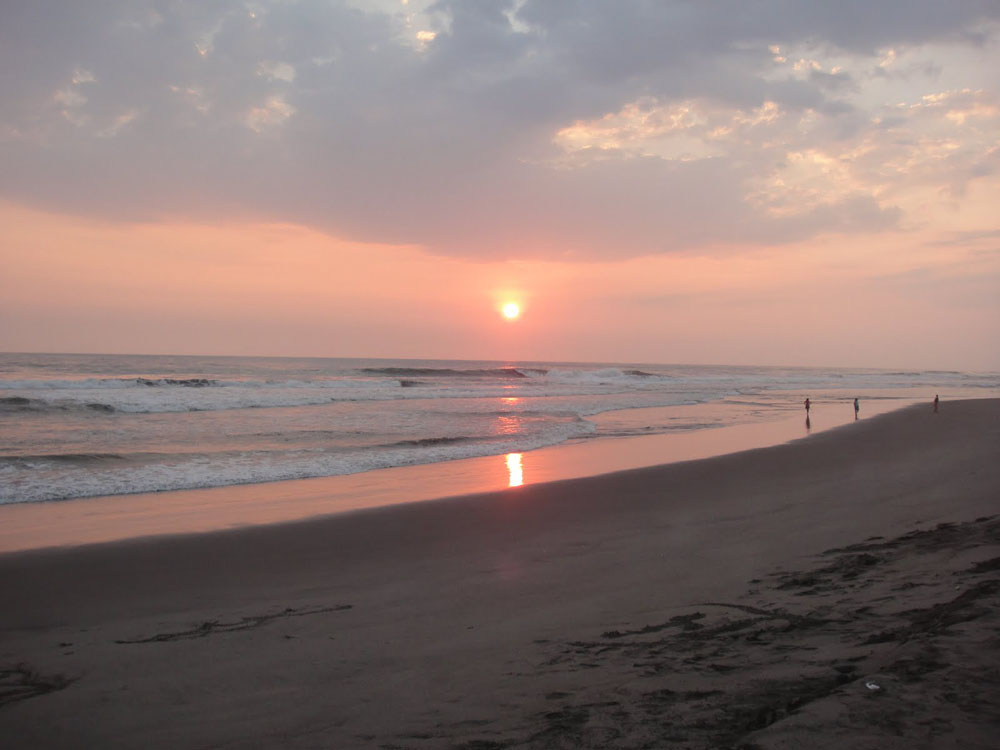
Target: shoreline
{"type": "Point", "coordinates": [110, 518]}
{"type": "Point", "coordinates": [744, 599]}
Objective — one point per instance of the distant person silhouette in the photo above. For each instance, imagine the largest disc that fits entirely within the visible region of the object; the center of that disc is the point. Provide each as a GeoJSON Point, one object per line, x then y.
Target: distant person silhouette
{"type": "Point", "coordinates": [807, 407]}
{"type": "Point", "coordinates": [935, 403]}
{"type": "Point", "coordinates": [856, 407]}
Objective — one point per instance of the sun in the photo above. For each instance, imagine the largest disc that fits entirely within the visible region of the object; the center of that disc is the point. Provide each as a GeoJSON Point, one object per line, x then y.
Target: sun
{"type": "Point", "coordinates": [511, 311]}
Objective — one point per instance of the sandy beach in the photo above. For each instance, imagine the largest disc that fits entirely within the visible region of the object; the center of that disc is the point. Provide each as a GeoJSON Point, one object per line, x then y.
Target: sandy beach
{"type": "Point", "coordinates": [839, 591]}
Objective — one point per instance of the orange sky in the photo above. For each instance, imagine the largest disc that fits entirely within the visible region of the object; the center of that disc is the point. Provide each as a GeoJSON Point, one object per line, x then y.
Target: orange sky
{"type": "Point", "coordinates": [306, 179]}
{"type": "Point", "coordinates": [72, 284]}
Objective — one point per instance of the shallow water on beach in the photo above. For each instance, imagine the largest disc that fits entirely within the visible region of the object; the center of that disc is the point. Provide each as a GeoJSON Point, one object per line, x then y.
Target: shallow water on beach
{"type": "Point", "coordinates": [92, 425]}
{"type": "Point", "coordinates": [115, 517]}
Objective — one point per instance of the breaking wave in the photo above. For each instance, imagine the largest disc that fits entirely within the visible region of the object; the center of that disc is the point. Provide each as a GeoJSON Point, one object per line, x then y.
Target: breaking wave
{"type": "Point", "coordinates": [447, 372]}
{"type": "Point", "coordinates": [14, 404]}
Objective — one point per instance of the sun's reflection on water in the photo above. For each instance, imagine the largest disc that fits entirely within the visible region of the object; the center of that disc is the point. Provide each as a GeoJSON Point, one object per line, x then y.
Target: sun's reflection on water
{"type": "Point", "coordinates": [507, 425]}
{"type": "Point", "coordinates": [514, 472]}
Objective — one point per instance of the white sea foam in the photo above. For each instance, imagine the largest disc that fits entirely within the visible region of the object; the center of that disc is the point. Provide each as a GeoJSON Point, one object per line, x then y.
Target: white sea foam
{"type": "Point", "coordinates": [146, 395]}
{"type": "Point", "coordinates": [42, 478]}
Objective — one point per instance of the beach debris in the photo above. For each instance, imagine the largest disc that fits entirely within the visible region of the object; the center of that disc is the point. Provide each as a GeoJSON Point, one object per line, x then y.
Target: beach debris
{"type": "Point", "coordinates": [873, 686]}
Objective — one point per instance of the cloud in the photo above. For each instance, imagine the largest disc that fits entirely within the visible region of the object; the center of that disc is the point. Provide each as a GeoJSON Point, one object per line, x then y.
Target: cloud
{"type": "Point", "coordinates": [960, 239]}
{"type": "Point", "coordinates": [555, 128]}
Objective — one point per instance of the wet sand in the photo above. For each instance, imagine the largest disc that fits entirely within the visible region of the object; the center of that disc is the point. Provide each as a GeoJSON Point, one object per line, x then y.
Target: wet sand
{"type": "Point", "coordinates": [840, 591]}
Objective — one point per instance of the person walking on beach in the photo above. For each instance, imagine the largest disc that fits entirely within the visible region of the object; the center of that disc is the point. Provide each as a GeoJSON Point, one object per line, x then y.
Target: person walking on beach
{"type": "Point", "coordinates": [935, 403]}
{"type": "Point", "coordinates": [856, 407]}
{"type": "Point", "coordinates": [807, 407]}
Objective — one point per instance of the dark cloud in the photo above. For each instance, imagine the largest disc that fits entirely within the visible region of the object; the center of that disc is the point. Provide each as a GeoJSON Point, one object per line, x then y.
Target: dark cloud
{"type": "Point", "coordinates": [321, 113]}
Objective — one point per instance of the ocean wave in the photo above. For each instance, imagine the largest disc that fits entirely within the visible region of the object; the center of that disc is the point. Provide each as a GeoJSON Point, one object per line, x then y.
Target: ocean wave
{"type": "Point", "coordinates": [142, 383]}
{"type": "Point", "coordinates": [61, 458]}
{"type": "Point", "coordinates": [14, 404]}
{"type": "Point", "coordinates": [54, 481]}
{"type": "Point", "coordinates": [164, 396]}
{"type": "Point", "coordinates": [56, 384]}
{"type": "Point", "coordinates": [448, 372]}
{"type": "Point", "coordinates": [607, 375]}
{"type": "Point", "coordinates": [565, 387]}
{"type": "Point", "coordinates": [183, 382]}
{"type": "Point", "coordinates": [424, 442]}
{"type": "Point", "coordinates": [167, 394]}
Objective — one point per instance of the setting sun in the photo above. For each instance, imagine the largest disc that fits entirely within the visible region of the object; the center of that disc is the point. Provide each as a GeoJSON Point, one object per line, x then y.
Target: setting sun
{"type": "Point", "coordinates": [511, 311]}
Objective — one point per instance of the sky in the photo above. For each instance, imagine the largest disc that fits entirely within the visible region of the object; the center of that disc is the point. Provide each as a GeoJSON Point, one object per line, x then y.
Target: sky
{"type": "Point", "coordinates": [777, 182]}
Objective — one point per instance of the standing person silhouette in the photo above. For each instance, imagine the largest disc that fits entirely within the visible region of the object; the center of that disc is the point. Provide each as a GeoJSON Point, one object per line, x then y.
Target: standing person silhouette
{"type": "Point", "coordinates": [935, 403]}
{"type": "Point", "coordinates": [856, 407]}
{"type": "Point", "coordinates": [807, 407]}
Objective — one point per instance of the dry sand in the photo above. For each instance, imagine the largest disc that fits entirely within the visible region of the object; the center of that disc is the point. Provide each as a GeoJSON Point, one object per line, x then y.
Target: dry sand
{"type": "Point", "coordinates": [840, 591]}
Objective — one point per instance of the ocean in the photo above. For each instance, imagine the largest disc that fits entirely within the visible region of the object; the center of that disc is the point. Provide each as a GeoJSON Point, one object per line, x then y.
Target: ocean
{"type": "Point", "coordinates": [74, 426]}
